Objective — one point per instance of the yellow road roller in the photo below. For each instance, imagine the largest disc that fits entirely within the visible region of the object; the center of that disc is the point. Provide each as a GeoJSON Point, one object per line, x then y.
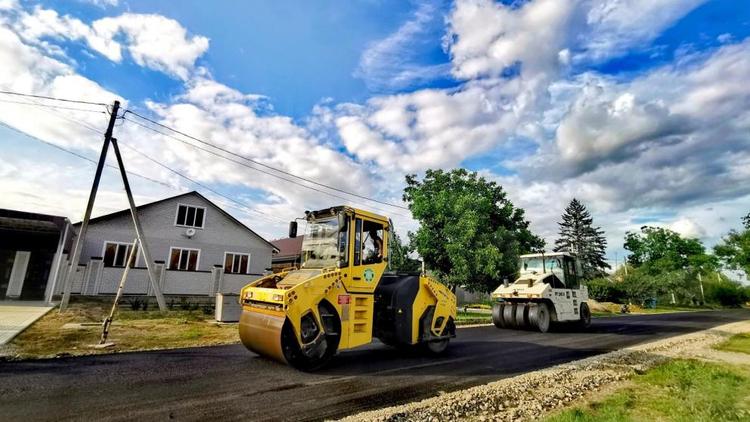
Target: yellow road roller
{"type": "Point", "coordinates": [342, 296]}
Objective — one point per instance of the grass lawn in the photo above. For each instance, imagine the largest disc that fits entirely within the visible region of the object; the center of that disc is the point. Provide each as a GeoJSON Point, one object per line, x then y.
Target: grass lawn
{"type": "Point", "coordinates": [637, 310]}
{"type": "Point", "coordinates": [469, 318]}
{"type": "Point", "coordinates": [737, 343]}
{"type": "Point", "coordinates": [132, 330]}
{"type": "Point", "coordinates": [680, 390]}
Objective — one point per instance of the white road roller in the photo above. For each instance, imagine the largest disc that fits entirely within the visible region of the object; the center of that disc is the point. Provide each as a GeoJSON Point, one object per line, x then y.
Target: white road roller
{"type": "Point", "coordinates": [547, 291]}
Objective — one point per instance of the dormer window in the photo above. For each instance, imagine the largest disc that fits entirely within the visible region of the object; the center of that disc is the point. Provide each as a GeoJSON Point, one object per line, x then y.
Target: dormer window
{"type": "Point", "coordinates": [190, 216]}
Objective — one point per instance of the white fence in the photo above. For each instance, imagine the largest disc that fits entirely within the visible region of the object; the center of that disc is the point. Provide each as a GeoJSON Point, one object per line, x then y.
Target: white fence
{"type": "Point", "coordinates": [95, 279]}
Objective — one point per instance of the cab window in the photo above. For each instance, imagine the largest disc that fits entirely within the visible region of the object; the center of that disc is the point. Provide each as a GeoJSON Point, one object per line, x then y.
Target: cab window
{"type": "Point", "coordinates": [372, 242]}
{"type": "Point", "coordinates": [358, 242]}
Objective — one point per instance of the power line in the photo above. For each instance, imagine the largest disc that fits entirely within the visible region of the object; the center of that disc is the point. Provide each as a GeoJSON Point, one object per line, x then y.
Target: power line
{"type": "Point", "coordinates": [150, 179]}
{"type": "Point", "coordinates": [68, 118]}
{"type": "Point", "coordinates": [44, 97]}
{"type": "Point", "coordinates": [199, 184]}
{"type": "Point", "coordinates": [52, 106]}
{"type": "Point", "coordinates": [250, 167]}
{"type": "Point", "coordinates": [262, 164]}
{"type": "Point", "coordinates": [28, 135]}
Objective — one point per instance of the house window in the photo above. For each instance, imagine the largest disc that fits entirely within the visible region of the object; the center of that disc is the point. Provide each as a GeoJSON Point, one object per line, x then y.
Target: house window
{"type": "Point", "coordinates": [236, 263]}
{"type": "Point", "coordinates": [116, 254]}
{"type": "Point", "coordinates": [184, 259]}
{"type": "Point", "coordinates": [190, 216]}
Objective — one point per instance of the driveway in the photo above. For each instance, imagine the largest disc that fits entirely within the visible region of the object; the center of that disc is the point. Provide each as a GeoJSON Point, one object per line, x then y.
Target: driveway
{"type": "Point", "coordinates": [16, 316]}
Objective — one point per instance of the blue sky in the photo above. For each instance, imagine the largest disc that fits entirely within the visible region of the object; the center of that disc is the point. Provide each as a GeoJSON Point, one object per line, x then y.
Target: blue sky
{"type": "Point", "coordinates": [618, 103]}
{"type": "Point", "coordinates": [296, 53]}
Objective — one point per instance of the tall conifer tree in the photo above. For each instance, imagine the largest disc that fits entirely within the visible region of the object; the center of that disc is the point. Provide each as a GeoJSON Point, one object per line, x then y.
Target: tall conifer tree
{"type": "Point", "coordinates": [579, 236]}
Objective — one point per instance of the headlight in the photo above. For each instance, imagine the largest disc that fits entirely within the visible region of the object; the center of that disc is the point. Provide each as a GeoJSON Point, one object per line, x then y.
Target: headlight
{"type": "Point", "coordinates": [248, 295]}
{"type": "Point", "coordinates": [278, 298]}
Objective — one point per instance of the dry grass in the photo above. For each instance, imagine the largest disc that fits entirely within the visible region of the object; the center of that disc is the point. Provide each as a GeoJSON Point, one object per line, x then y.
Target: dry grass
{"type": "Point", "coordinates": [132, 330]}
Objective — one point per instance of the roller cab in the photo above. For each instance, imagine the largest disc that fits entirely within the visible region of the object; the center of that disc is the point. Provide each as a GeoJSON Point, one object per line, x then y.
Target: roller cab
{"type": "Point", "coordinates": [548, 291]}
{"type": "Point", "coordinates": [341, 296]}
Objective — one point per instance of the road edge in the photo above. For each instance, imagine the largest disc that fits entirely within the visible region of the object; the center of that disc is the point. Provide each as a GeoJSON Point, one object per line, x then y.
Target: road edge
{"type": "Point", "coordinates": [555, 387]}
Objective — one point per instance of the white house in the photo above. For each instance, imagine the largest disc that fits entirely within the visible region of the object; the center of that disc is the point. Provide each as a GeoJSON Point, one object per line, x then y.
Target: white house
{"type": "Point", "coordinates": [198, 250]}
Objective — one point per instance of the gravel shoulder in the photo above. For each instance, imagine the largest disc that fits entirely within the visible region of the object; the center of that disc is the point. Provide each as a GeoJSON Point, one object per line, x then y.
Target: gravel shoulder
{"type": "Point", "coordinates": [537, 394]}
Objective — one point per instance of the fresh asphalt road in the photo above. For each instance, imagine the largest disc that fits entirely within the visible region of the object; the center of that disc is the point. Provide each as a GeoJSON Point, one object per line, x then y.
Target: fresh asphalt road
{"type": "Point", "coordinates": [230, 383]}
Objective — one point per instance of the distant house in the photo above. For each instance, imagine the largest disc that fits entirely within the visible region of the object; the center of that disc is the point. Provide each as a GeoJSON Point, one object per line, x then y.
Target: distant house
{"type": "Point", "coordinates": [290, 253]}
{"type": "Point", "coordinates": [32, 248]}
{"type": "Point", "coordinates": [198, 249]}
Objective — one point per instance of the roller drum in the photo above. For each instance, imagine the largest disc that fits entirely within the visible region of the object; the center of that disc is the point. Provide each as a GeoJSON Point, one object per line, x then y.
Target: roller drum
{"type": "Point", "coordinates": [261, 333]}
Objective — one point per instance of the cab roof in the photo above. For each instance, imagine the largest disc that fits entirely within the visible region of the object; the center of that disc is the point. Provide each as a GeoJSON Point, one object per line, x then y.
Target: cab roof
{"type": "Point", "coordinates": [326, 212]}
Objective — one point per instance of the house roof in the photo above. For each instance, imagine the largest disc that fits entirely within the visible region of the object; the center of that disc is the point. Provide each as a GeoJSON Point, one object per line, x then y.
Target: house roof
{"type": "Point", "coordinates": [288, 247]}
{"type": "Point", "coordinates": [195, 193]}
{"type": "Point", "coordinates": [29, 221]}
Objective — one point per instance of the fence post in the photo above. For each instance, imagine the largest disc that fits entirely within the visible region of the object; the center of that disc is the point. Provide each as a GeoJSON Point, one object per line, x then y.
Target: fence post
{"type": "Point", "coordinates": [217, 280]}
{"type": "Point", "coordinates": [160, 270]}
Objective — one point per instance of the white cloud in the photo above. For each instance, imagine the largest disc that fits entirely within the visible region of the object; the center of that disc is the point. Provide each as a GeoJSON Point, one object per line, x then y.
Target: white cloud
{"type": "Point", "coordinates": [486, 37]}
{"type": "Point", "coordinates": [8, 4]}
{"type": "Point", "coordinates": [432, 128]}
{"type": "Point", "coordinates": [153, 41]}
{"type": "Point", "coordinates": [390, 63]}
{"type": "Point", "coordinates": [698, 104]}
{"type": "Point", "coordinates": [670, 138]}
{"type": "Point", "coordinates": [688, 228]}
{"type": "Point", "coordinates": [614, 26]}
{"type": "Point", "coordinates": [724, 38]}
{"type": "Point", "coordinates": [102, 3]}
{"type": "Point", "coordinates": [601, 124]}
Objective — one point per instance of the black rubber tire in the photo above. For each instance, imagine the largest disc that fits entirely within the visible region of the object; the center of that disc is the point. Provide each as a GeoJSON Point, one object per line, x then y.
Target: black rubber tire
{"type": "Point", "coordinates": [293, 352]}
{"type": "Point", "coordinates": [585, 316]}
{"type": "Point", "coordinates": [521, 316]}
{"type": "Point", "coordinates": [497, 315]}
{"type": "Point", "coordinates": [532, 316]}
{"type": "Point", "coordinates": [509, 311]}
{"type": "Point", "coordinates": [438, 347]}
{"type": "Point", "coordinates": [539, 317]}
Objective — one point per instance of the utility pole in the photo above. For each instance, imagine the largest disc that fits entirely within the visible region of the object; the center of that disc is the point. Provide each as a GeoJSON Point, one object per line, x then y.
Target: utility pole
{"type": "Point", "coordinates": [108, 321]}
{"type": "Point", "coordinates": [89, 206]}
{"type": "Point", "coordinates": [108, 139]}
{"type": "Point", "coordinates": [700, 283]}
{"type": "Point", "coordinates": [615, 261]}
{"type": "Point", "coordinates": [139, 230]}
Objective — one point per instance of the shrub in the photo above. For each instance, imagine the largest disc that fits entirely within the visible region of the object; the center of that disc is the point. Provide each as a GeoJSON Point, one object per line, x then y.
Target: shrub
{"type": "Point", "coordinates": [605, 290]}
{"type": "Point", "coordinates": [727, 293]}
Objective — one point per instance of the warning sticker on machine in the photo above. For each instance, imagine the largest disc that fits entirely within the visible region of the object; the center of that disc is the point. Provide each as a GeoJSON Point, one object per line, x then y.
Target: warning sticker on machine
{"type": "Point", "coordinates": [344, 299]}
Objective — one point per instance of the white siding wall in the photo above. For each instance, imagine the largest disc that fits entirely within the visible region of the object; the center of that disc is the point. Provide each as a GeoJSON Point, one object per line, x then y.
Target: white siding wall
{"type": "Point", "coordinates": [136, 284]}
{"type": "Point", "coordinates": [187, 282]}
{"type": "Point", "coordinates": [233, 283]}
{"type": "Point", "coordinates": [220, 235]}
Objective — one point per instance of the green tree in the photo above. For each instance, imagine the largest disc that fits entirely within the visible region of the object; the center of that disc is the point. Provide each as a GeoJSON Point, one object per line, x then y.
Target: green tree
{"type": "Point", "coordinates": [660, 250]}
{"type": "Point", "coordinates": [734, 251]}
{"type": "Point", "coordinates": [470, 234]}
{"type": "Point", "coordinates": [398, 256]}
{"type": "Point", "coordinates": [746, 221]}
{"type": "Point", "coordinates": [579, 236]}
